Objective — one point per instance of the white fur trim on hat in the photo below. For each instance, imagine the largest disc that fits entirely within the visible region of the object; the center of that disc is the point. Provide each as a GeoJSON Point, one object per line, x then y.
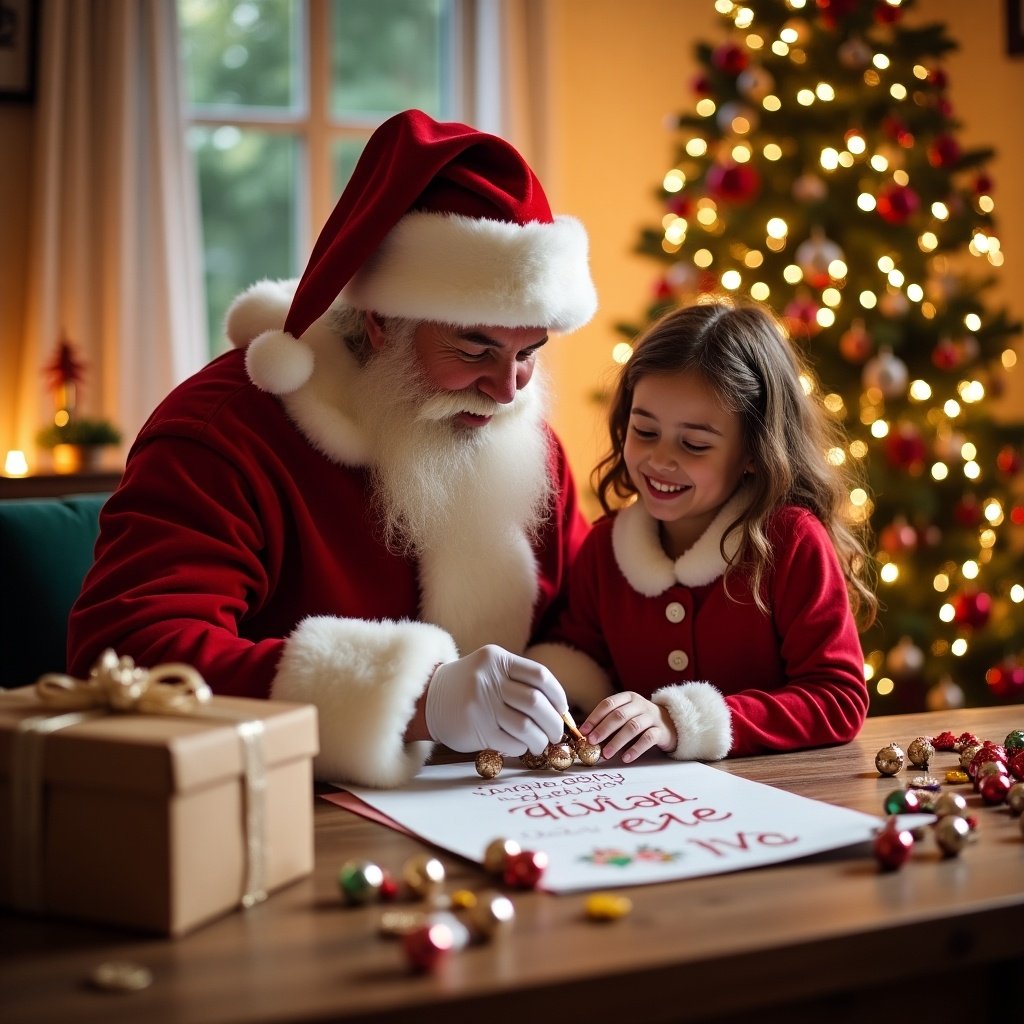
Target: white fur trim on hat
{"type": "Point", "coordinates": [702, 719]}
{"type": "Point", "coordinates": [585, 683]}
{"type": "Point", "coordinates": [365, 679]}
{"type": "Point", "coordinates": [449, 268]}
{"type": "Point", "coordinates": [261, 307]}
{"type": "Point", "coordinates": [278, 363]}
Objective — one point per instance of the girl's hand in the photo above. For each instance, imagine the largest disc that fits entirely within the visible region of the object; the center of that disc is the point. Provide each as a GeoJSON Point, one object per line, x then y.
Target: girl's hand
{"type": "Point", "coordinates": [627, 718]}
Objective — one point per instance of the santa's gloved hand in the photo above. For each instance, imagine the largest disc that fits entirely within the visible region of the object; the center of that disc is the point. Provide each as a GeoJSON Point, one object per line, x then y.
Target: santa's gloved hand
{"type": "Point", "coordinates": [492, 699]}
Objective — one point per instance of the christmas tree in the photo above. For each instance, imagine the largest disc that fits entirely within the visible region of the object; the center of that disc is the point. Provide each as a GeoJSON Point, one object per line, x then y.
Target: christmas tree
{"type": "Point", "coordinates": [819, 171]}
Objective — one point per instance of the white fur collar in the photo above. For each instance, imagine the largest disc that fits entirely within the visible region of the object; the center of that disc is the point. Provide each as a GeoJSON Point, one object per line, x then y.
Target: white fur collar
{"type": "Point", "coordinates": [649, 571]}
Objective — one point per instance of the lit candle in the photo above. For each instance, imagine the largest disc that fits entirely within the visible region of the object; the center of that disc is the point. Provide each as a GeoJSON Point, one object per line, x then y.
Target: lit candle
{"type": "Point", "coordinates": [15, 464]}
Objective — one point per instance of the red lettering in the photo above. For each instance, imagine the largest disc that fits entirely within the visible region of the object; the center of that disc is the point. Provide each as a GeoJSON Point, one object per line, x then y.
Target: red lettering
{"type": "Point", "coordinates": [697, 816]}
{"type": "Point", "coordinates": [743, 841]}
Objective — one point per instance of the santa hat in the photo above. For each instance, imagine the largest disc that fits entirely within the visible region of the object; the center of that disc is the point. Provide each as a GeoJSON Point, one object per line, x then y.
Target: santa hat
{"type": "Point", "coordinates": [439, 222]}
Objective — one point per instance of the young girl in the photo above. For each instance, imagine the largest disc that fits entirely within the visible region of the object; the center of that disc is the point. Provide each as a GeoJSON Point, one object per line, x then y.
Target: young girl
{"type": "Point", "coordinates": [714, 615]}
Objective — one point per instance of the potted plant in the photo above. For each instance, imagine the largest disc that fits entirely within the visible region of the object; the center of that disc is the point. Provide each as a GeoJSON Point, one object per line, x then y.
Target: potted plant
{"type": "Point", "coordinates": [76, 444]}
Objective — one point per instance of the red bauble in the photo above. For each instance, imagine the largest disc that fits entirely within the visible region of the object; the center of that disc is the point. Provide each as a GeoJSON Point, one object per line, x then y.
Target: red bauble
{"type": "Point", "coordinates": [524, 870]}
{"type": "Point", "coordinates": [801, 316]}
{"type": "Point", "coordinates": [893, 846]}
{"type": "Point", "coordinates": [886, 14]}
{"type": "Point", "coordinates": [427, 946]}
{"type": "Point", "coordinates": [972, 608]}
{"type": "Point", "coordinates": [938, 78]}
{"type": "Point", "coordinates": [730, 58]}
{"type": "Point", "coordinates": [994, 788]}
{"type": "Point", "coordinates": [1006, 680]}
{"type": "Point", "coordinates": [944, 151]}
{"type": "Point", "coordinates": [897, 203]}
{"type": "Point", "coordinates": [945, 355]}
{"type": "Point", "coordinates": [1016, 765]}
{"type": "Point", "coordinates": [895, 128]}
{"type": "Point", "coordinates": [737, 183]}
{"type": "Point", "coordinates": [905, 449]}
{"type": "Point", "coordinates": [1008, 460]}
{"type": "Point", "coordinates": [897, 537]}
{"type": "Point", "coordinates": [680, 204]}
{"type": "Point", "coordinates": [1017, 515]}
{"type": "Point", "coordinates": [702, 85]}
{"type": "Point", "coordinates": [835, 11]}
{"type": "Point", "coordinates": [855, 344]}
{"type": "Point", "coordinates": [662, 290]}
{"type": "Point", "coordinates": [967, 511]}
{"type": "Point", "coordinates": [983, 185]}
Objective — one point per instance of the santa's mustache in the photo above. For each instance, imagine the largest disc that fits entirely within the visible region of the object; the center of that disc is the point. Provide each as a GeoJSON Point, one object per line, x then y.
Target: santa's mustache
{"type": "Point", "coordinates": [447, 405]}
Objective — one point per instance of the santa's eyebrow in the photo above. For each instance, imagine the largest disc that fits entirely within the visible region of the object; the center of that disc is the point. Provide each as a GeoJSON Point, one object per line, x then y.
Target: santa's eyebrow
{"type": "Point", "coordinates": [477, 338]}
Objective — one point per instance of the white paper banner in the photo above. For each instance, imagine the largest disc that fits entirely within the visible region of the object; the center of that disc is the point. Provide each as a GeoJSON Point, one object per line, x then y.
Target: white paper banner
{"type": "Point", "coordinates": [604, 827]}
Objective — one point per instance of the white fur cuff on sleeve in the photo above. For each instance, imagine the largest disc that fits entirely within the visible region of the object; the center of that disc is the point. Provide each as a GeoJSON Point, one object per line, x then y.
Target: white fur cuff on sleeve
{"type": "Point", "coordinates": [584, 681]}
{"type": "Point", "coordinates": [702, 719]}
{"type": "Point", "coordinates": [364, 678]}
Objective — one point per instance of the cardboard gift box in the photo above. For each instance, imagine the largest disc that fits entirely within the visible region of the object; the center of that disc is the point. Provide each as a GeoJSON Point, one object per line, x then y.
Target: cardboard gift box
{"type": "Point", "coordinates": [155, 821]}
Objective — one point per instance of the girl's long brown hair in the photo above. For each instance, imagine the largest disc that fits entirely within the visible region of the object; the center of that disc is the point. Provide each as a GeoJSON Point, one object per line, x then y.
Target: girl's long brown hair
{"type": "Point", "coordinates": [749, 362]}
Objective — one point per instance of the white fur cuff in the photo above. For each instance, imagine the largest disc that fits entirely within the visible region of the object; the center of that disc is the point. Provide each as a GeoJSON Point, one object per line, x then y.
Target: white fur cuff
{"type": "Point", "coordinates": [702, 719]}
{"type": "Point", "coordinates": [584, 681]}
{"type": "Point", "coordinates": [364, 678]}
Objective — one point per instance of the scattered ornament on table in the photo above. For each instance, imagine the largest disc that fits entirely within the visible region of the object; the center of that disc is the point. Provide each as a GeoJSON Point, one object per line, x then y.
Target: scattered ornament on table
{"type": "Point", "coordinates": [606, 906]}
{"type": "Point", "coordinates": [890, 759]}
{"type": "Point", "coordinates": [902, 801]}
{"type": "Point", "coordinates": [121, 976]}
{"type": "Point", "coordinates": [428, 945]}
{"type": "Point", "coordinates": [559, 756]}
{"type": "Point", "coordinates": [949, 803]}
{"type": "Point", "coordinates": [957, 776]}
{"type": "Point", "coordinates": [893, 845]}
{"type": "Point", "coordinates": [497, 853]}
{"type": "Point", "coordinates": [944, 741]}
{"type": "Point", "coordinates": [1016, 765]}
{"type": "Point", "coordinates": [463, 899]}
{"type": "Point", "coordinates": [525, 869]}
{"type": "Point", "coordinates": [967, 755]}
{"type": "Point", "coordinates": [925, 783]}
{"type": "Point", "coordinates": [966, 739]}
{"type": "Point", "coordinates": [492, 915]}
{"type": "Point", "coordinates": [489, 763]}
{"type": "Point", "coordinates": [994, 788]}
{"type": "Point", "coordinates": [920, 751]}
{"type": "Point", "coordinates": [1014, 742]}
{"type": "Point", "coordinates": [1015, 798]}
{"type": "Point", "coordinates": [952, 834]}
{"type": "Point", "coordinates": [424, 875]}
{"type": "Point", "coordinates": [360, 881]}
{"type": "Point", "coordinates": [533, 762]}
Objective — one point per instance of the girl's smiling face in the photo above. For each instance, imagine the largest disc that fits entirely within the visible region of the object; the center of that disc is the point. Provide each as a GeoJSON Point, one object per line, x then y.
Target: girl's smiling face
{"type": "Point", "coordinates": [685, 453]}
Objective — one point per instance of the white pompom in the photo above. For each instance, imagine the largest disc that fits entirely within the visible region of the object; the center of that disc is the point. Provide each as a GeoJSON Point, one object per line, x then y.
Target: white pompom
{"type": "Point", "coordinates": [261, 307]}
{"type": "Point", "coordinates": [278, 363]}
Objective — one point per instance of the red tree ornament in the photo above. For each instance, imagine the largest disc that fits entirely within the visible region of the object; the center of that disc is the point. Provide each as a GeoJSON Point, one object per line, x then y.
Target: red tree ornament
{"type": "Point", "coordinates": [897, 203]}
{"type": "Point", "coordinates": [944, 151]}
{"type": "Point", "coordinates": [1006, 680]}
{"type": "Point", "coordinates": [730, 58]}
{"type": "Point", "coordinates": [972, 608]}
{"type": "Point", "coordinates": [905, 448]}
{"type": "Point", "coordinates": [1008, 460]}
{"type": "Point", "coordinates": [737, 183]}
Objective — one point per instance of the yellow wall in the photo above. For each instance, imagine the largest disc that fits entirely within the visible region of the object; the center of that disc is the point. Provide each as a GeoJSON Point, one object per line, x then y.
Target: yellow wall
{"type": "Point", "coordinates": [616, 71]}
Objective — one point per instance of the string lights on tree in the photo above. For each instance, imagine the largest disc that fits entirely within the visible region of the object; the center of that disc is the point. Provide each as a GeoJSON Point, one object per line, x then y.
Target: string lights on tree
{"type": "Point", "coordinates": [818, 169]}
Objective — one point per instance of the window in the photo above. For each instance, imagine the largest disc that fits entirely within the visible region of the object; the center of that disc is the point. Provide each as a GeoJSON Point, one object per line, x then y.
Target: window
{"type": "Point", "coordinates": [281, 96]}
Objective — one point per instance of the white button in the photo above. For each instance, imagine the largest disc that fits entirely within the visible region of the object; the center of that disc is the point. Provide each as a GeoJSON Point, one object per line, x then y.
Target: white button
{"type": "Point", "coordinates": [675, 612]}
{"type": "Point", "coordinates": [678, 660]}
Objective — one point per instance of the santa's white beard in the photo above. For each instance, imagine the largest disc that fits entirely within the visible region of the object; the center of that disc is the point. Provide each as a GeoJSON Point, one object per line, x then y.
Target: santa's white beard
{"type": "Point", "coordinates": [435, 479]}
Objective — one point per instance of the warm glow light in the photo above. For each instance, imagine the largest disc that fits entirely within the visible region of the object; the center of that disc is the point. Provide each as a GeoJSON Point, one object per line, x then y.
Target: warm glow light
{"type": "Point", "coordinates": [674, 180]}
{"type": "Point", "coordinates": [947, 613]}
{"type": "Point", "coordinates": [970, 570]}
{"type": "Point", "coordinates": [920, 390]}
{"type": "Point", "coordinates": [889, 572]}
{"type": "Point", "coordinates": [958, 648]}
{"type": "Point", "coordinates": [621, 352]}
{"type": "Point", "coordinates": [1017, 593]}
{"type": "Point", "coordinates": [15, 464]}
{"type": "Point", "coordinates": [884, 686]}
{"type": "Point", "coordinates": [777, 228]}
{"type": "Point", "coordinates": [939, 471]}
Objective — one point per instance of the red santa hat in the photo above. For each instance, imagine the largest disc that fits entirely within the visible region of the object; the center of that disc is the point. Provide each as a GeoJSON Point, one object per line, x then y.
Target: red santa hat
{"type": "Point", "coordinates": [439, 222]}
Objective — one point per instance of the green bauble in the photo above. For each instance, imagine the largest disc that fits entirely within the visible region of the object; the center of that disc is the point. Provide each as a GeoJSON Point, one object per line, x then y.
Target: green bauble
{"type": "Point", "coordinates": [1014, 742]}
{"type": "Point", "coordinates": [902, 801]}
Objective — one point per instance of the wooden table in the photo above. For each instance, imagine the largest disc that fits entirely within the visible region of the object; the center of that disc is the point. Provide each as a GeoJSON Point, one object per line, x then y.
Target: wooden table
{"type": "Point", "coordinates": [830, 938]}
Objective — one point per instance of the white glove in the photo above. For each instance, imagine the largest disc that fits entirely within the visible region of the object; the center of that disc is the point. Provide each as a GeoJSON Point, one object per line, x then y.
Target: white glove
{"type": "Point", "coordinates": [492, 699]}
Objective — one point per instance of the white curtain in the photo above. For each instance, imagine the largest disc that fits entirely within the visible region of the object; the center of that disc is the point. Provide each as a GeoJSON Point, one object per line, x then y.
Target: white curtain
{"type": "Point", "coordinates": [115, 258]}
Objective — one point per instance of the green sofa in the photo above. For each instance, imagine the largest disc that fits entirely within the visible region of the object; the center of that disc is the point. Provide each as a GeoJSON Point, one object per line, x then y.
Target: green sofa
{"type": "Point", "coordinates": [46, 547]}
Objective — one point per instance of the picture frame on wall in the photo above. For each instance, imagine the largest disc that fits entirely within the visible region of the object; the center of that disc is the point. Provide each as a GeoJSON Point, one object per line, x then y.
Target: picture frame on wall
{"type": "Point", "coordinates": [1015, 27]}
{"type": "Point", "coordinates": [18, 49]}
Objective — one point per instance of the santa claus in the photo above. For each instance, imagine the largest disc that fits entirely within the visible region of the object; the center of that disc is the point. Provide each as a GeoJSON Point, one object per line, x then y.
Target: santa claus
{"type": "Point", "coordinates": [361, 505]}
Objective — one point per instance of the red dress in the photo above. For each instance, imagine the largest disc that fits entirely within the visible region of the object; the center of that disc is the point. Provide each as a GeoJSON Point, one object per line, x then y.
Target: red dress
{"type": "Point", "coordinates": [735, 680]}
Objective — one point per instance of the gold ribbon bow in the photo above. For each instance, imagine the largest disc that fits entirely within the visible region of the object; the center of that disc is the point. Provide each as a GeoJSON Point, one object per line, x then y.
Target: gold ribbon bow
{"type": "Point", "coordinates": [118, 684]}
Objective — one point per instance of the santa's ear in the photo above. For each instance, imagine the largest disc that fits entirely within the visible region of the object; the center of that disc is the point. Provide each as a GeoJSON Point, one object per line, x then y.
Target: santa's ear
{"type": "Point", "coordinates": [375, 329]}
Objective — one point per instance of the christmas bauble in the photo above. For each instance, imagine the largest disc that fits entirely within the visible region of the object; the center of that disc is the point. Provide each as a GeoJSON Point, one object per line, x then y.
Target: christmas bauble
{"type": "Point", "coordinates": [897, 203]}
{"type": "Point", "coordinates": [994, 788]}
{"type": "Point", "coordinates": [952, 834]}
{"type": "Point", "coordinates": [493, 914]}
{"type": "Point", "coordinates": [920, 751]}
{"type": "Point", "coordinates": [525, 869]}
{"type": "Point", "coordinates": [944, 151]}
{"type": "Point", "coordinates": [886, 372]}
{"type": "Point", "coordinates": [854, 53]}
{"type": "Point", "coordinates": [949, 803]}
{"type": "Point", "coordinates": [815, 255]}
{"type": "Point", "coordinates": [1008, 460]}
{"type": "Point", "coordinates": [1014, 742]}
{"type": "Point", "coordinates": [855, 343]}
{"type": "Point", "coordinates": [945, 355]}
{"type": "Point", "coordinates": [801, 316]}
{"type": "Point", "coordinates": [755, 82]}
{"type": "Point", "coordinates": [730, 58]}
{"type": "Point", "coordinates": [1015, 798]}
{"type": "Point", "coordinates": [809, 188]}
{"type": "Point", "coordinates": [895, 539]}
{"type": "Point", "coordinates": [427, 946]}
{"type": "Point", "coordinates": [497, 853]}
{"type": "Point", "coordinates": [738, 118]}
{"type": "Point", "coordinates": [560, 756]}
{"type": "Point", "coordinates": [904, 660]}
{"type": "Point", "coordinates": [1016, 765]}
{"type": "Point", "coordinates": [893, 303]}
{"type": "Point", "coordinates": [424, 875]}
{"type": "Point", "coordinates": [905, 449]}
{"type": "Point", "coordinates": [902, 801]}
{"type": "Point", "coordinates": [890, 759]}
{"type": "Point", "coordinates": [738, 183]}
{"type": "Point", "coordinates": [893, 846]}
{"type": "Point", "coordinates": [945, 695]}
{"type": "Point", "coordinates": [360, 881]}
{"type": "Point", "coordinates": [1006, 680]}
{"type": "Point", "coordinates": [972, 608]}
{"type": "Point", "coordinates": [489, 763]}
{"type": "Point", "coordinates": [967, 512]}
